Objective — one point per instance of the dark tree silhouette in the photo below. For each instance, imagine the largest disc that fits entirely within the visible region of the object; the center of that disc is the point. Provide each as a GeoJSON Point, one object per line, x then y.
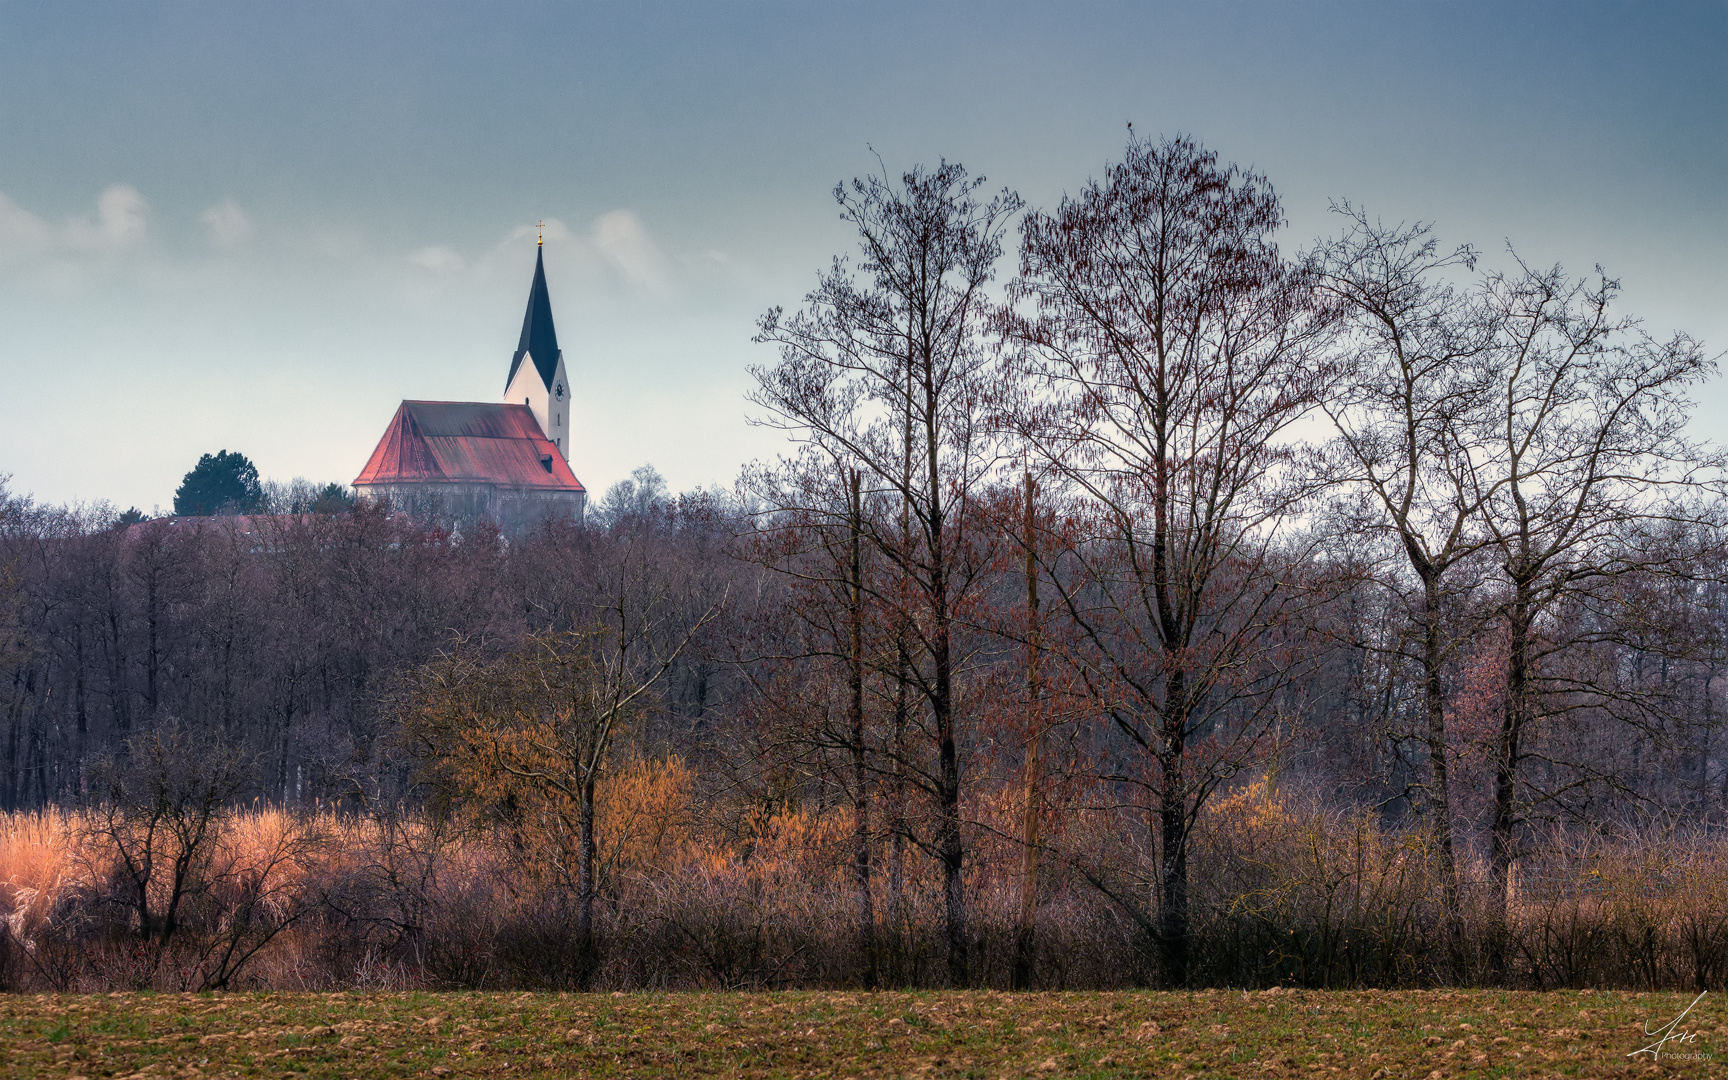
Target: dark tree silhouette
{"type": "Point", "coordinates": [221, 483]}
{"type": "Point", "coordinates": [1591, 463]}
{"type": "Point", "coordinates": [1165, 348]}
{"type": "Point", "coordinates": [886, 370]}
{"type": "Point", "coordinates": [1405, 463]}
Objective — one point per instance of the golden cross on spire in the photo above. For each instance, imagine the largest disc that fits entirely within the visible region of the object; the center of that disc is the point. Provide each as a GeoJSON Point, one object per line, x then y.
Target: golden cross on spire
{"type": "Point", "coordinates": [542, 240]}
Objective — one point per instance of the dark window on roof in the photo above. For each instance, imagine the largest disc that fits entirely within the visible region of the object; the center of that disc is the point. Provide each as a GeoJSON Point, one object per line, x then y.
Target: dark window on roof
{"type": "Point", "coordinates": [546, 462]}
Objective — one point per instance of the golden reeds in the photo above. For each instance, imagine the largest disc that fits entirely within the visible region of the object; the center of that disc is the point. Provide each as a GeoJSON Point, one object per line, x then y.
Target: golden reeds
{"type": "Point", "coordinates": [1286, 892]}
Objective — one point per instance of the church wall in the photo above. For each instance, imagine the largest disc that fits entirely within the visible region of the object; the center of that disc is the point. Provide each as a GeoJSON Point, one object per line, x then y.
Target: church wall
{"type": "Point", "coordinates": [552, 413]}
{"type": "Point", "coordinates": [559, 408]}
{"type": "Point", "coordinates": [527, 389]}
{"type": "Point", "coordinates": [514, 510]}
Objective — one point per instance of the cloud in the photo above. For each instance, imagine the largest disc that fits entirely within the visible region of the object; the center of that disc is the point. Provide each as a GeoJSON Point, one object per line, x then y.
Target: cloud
{"type": "Point", "coordinates": [439, 260]}
{"type": "Point", "coordinates": [554, 230]}
{"type": "Point", "coordinates": [118, 225]}
{"type": "Point", "coordinates": [623, 241]}
{"type": "Point", "coordinates": [228, 225]}
{"type": "Point", "coordinates": [615, 249]}
{"type": "Point", "coordinates": [21, 232]}
{"type": "Point", "coordinates": [120, 211]}
{"type": "Point", "coordinates": [119, 222]}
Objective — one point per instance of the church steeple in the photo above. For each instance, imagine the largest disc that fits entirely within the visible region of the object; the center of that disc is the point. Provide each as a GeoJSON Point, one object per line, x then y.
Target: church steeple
{"type": "Point", "coordinates": [541, 385]}
{"type": "Point", "coordinates": [539, 339]}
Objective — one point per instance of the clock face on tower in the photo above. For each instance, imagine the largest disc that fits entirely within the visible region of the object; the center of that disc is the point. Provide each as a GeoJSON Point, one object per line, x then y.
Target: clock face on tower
{"type": "Point", "coordinates": [558, 392]}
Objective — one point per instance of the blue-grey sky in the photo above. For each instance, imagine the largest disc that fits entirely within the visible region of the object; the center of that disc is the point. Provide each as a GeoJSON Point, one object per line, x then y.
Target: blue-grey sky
{"type": "Point", "coordinates": [258, 227]}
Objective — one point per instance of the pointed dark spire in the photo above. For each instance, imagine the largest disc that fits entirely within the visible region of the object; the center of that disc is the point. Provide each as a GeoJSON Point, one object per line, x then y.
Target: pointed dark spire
{"type": "Point", "coordinates": [539, 339]}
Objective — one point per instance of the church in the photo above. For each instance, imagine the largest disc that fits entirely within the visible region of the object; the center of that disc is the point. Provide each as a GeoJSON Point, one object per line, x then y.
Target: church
{"type": "Point", "coordinates": [456, 461]}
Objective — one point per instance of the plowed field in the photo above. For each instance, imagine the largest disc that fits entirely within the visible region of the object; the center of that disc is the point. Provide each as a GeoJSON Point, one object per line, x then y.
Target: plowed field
{"type": "Point", "coordinates": [972, 1034]}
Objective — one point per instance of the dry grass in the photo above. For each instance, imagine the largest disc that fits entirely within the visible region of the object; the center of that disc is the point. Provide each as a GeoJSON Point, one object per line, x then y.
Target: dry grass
{"type": "Point", "coordinates": [1285, 894]}
{"type": "Point", "coordinates": [945, 1034]}
{"type": "Point", "coordinates": [40, 856]}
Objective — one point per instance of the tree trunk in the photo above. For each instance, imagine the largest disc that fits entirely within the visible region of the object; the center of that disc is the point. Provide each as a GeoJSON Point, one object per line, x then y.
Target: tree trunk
{"type": "Point", "coordinates": [1024, 941]}
{"type": "Point", "coordinates": [119, 698]}
{"type": "Point", "coordinates": [1709, 737]}
{"type": "Point", "coordinates": [1439, 784]}
{"type": "Point", "coordinates": [1515, 717]}
{"type": "Point", "coordinates": [1173, 836]}
{"type": "Point", "coordinates": [860, 776]}
{"type": "Point", "coordinates": [897, 815]}
{"type": "Point", "coordinates": [38, 759]}
{"type": "Point", "coordinates": [284, 743]}
{"type": "Point", "coordinates": [949, 843]}
{"type": "Point", "coordinates": [902, 693]}
{"type": "Point", "coordinates": [14, 718]}
{"type": "Point", "coordinates": [585, 885]}
{"type": "Point", "coordinates": [79, 701]}
{"type": "Point", "coordinates": [152, 655]}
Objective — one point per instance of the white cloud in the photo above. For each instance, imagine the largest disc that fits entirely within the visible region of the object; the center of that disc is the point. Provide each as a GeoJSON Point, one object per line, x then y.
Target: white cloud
{"type": "Point", "coordinates": [615, 250]}
{"type": "Point", "coordinates": [439, 260]}
{"type": "Point", "coordinates": [119, 222]}
{"type": "Point", "coordinates": [228, 225]}
{"type": "Point", "coordinates": [121, 210]}
{"type": "Point", "coordinates": [21, 232]}
{"type": "Point", "coordinates": [553, 229]}
{"type": "Point", "coordinates": [61, 252]}
{"type": "Point", "coordinates": [623, 240]}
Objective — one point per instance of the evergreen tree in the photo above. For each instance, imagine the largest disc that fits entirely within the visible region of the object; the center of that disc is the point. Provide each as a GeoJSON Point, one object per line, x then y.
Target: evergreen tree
{"type": "Point", "coordinates": [221, 483]}
{"type": "Point", "coordinates": [333, 498]}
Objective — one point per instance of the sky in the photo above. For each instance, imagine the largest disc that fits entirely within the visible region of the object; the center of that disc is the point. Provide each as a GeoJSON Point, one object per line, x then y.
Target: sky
{"type": "Point", "coordinates": [259, 227]}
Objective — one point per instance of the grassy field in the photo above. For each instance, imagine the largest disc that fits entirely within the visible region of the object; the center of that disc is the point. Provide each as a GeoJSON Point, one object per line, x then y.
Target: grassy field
{"type": "Point", "coordinates": [1203, 1034]}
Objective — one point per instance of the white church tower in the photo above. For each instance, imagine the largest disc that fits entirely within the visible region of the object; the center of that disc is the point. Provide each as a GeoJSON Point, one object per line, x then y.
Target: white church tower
{"type": "Point", "coordinates": [537, 378]}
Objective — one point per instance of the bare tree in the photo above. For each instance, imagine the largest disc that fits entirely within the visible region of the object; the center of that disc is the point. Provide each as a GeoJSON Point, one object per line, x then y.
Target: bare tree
{"type": "Point", "coordinates": [158, 808]}
{"type": "Point", "coordinates": [1034, 807]}
{"type": "Point", "coordinates": [1167, 351]}
{"type": "Point", "coordinates": [1408, 410]}
{"type": "Point", "coordinates": [1590, 462]}
{"type": "Point", "coordinates": [537, 725]}
{"type": "Point", "coordinates": [886, 367]}
{"type": "Point", "coordinates": [14, 527]}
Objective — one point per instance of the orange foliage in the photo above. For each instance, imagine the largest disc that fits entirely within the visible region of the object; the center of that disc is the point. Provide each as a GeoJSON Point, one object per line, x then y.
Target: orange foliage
{"type": "Point", "coordinates": [644, 818]}
{"type": "Point", "coordinates": [39, 856]}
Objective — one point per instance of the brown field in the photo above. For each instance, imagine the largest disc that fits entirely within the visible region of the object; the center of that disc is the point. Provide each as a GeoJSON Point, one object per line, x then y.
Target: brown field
{"type": "Point", "coordinates": [939, 1034]}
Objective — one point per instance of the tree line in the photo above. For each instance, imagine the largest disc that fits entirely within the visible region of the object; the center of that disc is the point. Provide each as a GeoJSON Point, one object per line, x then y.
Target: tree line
{"type": "Point", "coordinates": [1067, 563]}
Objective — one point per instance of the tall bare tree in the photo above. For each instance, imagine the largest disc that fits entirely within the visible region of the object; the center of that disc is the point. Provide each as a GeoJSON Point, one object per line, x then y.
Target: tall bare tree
{"type": "Point", "coordinates": [1591, 463]}
{"type": "Point", "coordinates": [883, 359]}
{"type": "Point", "coordinates": [1408, 411]}
{"type": "Point", "coordinates": [1166, 348]}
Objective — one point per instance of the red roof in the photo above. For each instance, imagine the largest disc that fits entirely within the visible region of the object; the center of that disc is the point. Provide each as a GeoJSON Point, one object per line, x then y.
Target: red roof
{"type": "Point", "coordinates": [467, 442]}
